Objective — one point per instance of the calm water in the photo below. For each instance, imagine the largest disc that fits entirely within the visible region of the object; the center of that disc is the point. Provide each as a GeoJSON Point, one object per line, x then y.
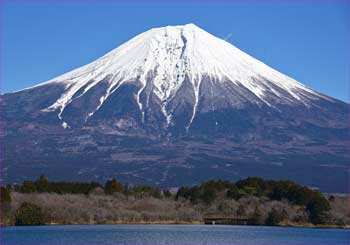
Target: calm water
{"type": "Point", "coordinates": [171, 234]}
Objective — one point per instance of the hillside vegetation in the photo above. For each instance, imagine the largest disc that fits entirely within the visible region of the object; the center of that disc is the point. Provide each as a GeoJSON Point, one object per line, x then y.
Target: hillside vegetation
{"type": "Point", "coordinates": [264, 202]}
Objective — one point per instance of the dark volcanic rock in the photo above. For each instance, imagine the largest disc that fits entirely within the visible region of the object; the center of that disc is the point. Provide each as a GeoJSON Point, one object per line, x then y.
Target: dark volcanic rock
{"type": "Point", "coordinates": [185, 113]}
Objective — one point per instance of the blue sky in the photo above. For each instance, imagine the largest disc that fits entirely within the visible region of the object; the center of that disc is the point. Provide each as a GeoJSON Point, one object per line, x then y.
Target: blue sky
{"type": "Point", "coordinates": [307, 40]}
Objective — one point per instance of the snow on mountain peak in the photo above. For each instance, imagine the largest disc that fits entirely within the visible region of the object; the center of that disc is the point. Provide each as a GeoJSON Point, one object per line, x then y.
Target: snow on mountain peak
{"type": "Point", "coordinates": [170, 54]}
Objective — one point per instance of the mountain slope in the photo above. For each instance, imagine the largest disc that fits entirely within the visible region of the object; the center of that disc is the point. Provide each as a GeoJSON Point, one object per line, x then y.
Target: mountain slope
{"type": "Point", "coordinates": [176, 105]}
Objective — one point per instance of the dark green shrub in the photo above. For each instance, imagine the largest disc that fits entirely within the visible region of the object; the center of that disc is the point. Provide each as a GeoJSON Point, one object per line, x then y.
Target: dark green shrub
{"type": "Point", "coordinates": [5, 195]}
{"type": "Point", "coordinates": [193, 194]}
{"type": "Point", "coordinates": [5, 212]}
{"type": "Point", "coordinates": [274, 218]}
{"type": "Point", "coordinates": [294, 193]}
{"type": "Point", "coordinates": [208, 196]}
{"type": "Point", "coordinates": [113, 186]}
{"type": "Point", "coordinates": [318, 209]}
{"type": "Point", "coordinates": [145, 190]}
{"type": "Point", "coordinates": [29, 214]}
{"type": "Point", "coordinates": [28, 187]}
{"type": "Point", "coordinates": [72, 187]}
{"type": "Point", "coordinates": [253, 186]}
{"type": "Point", "coordinates": [217, 185]}
{"type": "Point", "coordinates": [208, 191]}
{"type": "Point", "coordinates": [233, 192]}
{"type": "Point", "coordinates": [42, 184]}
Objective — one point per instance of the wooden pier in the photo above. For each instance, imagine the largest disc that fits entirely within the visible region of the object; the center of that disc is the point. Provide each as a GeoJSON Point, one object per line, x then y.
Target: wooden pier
{"type": "Point", "coordinates": [226, 219]}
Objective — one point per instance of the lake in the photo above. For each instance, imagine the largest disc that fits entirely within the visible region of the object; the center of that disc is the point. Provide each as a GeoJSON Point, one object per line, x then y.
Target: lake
{"type": "Point", "coordinates": [171, 234]}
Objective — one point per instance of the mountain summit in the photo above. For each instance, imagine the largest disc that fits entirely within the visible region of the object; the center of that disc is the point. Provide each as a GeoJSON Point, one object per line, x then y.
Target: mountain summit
{"type": "Point", "coordinates": [169, 58]}
{"type": "Point", "coordinates": [176, 105]}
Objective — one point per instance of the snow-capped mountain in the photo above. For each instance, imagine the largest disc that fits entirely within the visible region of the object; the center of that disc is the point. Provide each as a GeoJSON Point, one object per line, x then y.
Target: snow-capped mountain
{"type": "Point", "coordinates": [182, 90]}
{"type": "Point", "coordinates": [166, 59]}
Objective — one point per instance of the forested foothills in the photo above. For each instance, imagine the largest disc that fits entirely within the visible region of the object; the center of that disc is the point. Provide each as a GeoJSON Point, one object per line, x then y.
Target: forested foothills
{"type": "Point", "coordinates": [263, 202]}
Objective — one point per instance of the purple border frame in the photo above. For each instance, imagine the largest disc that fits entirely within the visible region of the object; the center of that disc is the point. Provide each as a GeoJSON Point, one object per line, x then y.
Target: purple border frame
{"type": "Point", "coordinates": [101, 1]}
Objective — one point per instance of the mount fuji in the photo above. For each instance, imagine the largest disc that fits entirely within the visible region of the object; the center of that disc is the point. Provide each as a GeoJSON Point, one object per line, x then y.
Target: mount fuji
{"type": "Point", "coordinates": [176, 106]}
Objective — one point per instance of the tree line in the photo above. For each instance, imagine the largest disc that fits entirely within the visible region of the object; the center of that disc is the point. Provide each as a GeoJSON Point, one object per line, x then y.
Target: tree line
{"type": "Point", "coordinates": [315, 203]}
{"type": "Point", "coordinates": [43, 185]}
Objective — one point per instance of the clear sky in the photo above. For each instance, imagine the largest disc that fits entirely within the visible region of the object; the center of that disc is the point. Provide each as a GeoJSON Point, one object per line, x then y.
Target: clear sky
{"type": "Point", "coordinates": [307, 40]}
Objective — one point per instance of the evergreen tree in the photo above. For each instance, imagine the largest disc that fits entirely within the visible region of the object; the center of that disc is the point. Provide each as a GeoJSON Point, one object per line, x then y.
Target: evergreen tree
{"type": "Point", "coordinates": [318, 210]}
{"type": "Point", "coordinates": [43, 184]}
{"type": "Point", "coordinates": [113, 186]}
{"type": "Point", "coordinates": [28, 187]}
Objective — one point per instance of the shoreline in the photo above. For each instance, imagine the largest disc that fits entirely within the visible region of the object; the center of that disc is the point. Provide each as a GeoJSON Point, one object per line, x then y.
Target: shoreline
{"type": "Point", "coordinates": [307, 225]}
